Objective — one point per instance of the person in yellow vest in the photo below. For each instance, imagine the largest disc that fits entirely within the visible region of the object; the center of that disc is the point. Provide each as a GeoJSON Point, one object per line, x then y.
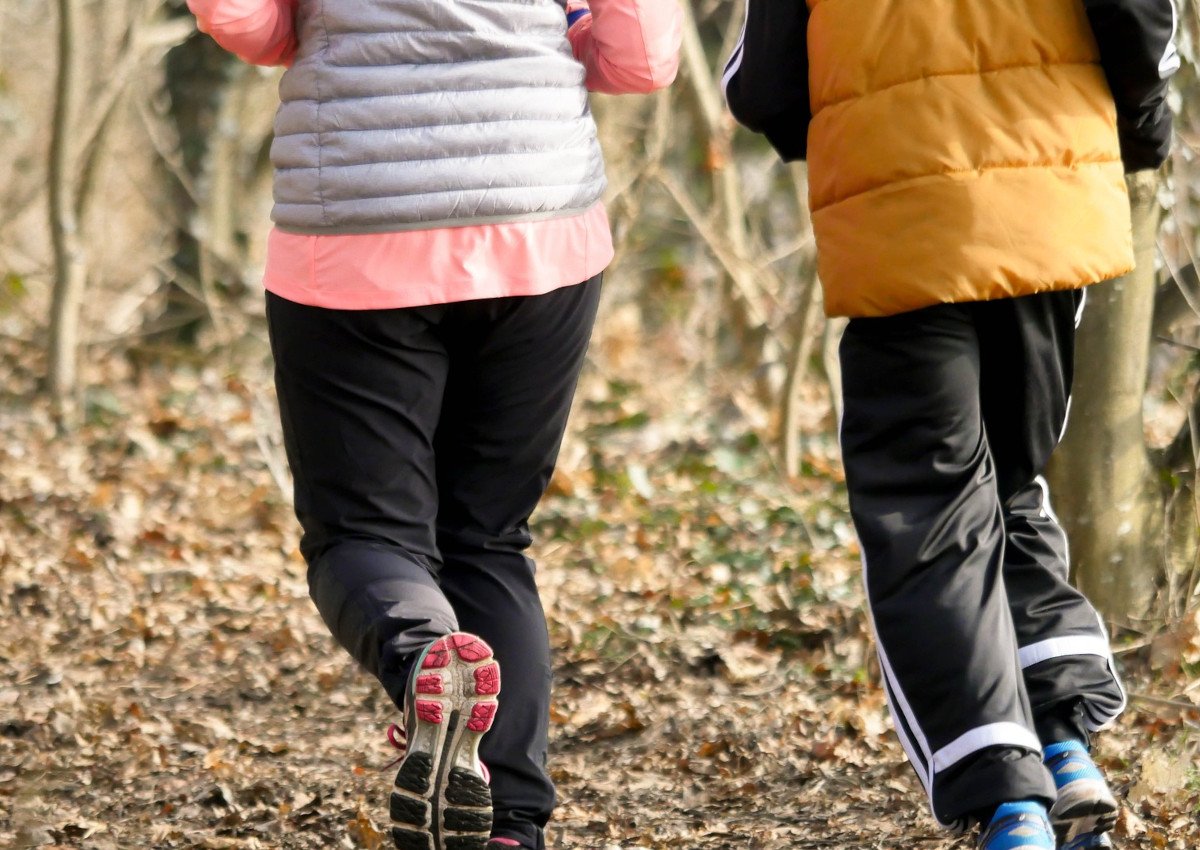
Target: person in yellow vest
{"type": "Point", "coordinates": [966, 164]}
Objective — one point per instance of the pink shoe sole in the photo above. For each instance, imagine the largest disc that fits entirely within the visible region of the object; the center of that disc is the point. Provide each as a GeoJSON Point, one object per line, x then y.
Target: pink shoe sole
{"type": "Point", "coordinates": [441, 800]}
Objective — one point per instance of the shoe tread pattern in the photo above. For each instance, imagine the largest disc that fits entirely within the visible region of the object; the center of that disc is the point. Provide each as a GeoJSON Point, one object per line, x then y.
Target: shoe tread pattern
{"type": "Point", "coordinates": [440, 802]}
{"type": "Point", "coordinates": [411, 839]}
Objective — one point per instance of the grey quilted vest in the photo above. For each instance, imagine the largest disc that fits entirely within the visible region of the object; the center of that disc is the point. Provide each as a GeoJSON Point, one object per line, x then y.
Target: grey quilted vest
{"type": "Point", "coordinates": [413, 114]}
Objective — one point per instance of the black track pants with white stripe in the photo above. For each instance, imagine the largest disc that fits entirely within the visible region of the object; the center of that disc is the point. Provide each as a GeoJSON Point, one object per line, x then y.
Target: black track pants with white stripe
{"type": "Point", "coordinates": [987, 652]}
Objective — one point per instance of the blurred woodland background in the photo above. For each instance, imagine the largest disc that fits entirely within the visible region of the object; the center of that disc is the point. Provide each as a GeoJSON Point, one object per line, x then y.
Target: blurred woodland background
{"type": "Point", "coordinates": [143, 489]}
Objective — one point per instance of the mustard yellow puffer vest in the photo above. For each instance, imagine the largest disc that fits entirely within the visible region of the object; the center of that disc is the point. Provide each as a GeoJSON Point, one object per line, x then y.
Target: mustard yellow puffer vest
{"type": "Point", "coordinates": [960, 150]}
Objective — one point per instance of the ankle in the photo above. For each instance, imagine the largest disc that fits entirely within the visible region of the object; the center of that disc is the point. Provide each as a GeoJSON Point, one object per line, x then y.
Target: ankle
{"type": "Point", "coordinates": [1062, 722]}
{"type": "Point", "coordinates": [1068, 745]}
{"type": "Point", "coordinates": [986, 816]}
{"type": "Point", "coordinates": [1018, 807]}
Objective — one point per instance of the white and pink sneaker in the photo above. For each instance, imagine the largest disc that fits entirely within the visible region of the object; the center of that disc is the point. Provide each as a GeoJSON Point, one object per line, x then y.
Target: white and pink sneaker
{"type": "Point", "coordinates": [441, 799]}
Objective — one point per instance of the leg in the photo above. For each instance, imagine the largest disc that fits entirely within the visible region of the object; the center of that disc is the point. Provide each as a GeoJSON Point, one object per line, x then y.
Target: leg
{"type": "Point", "coordinates": [1028, 363]}
{"type": "Point", "coordinates": [514, 366]}
{"type": "Point", "coordinates": [1065, 656]}
{"type": "Point", "coordinates": [924, 502]}
{"type": "Point", "coordinates": [360, 393]}
{"type": "Point", "coordinates": [1069, 673]}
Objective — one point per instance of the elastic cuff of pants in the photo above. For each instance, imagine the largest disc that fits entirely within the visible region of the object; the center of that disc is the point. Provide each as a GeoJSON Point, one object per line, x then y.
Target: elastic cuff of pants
{"type": "Point", "coordinates": [395, 684]}
{"type": "Point", "coordinates": [398, 655]}
{"type": "Point", "coordinates": [984, 780]}
{"type": "Point", "coordinates": [528, 834]}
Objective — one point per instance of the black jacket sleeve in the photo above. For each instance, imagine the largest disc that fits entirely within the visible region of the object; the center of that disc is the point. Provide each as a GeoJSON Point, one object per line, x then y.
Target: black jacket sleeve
{"type": "Point", "coordinates": [766, 77]}
{"type": "Point", "coordinates": [1136, 40]}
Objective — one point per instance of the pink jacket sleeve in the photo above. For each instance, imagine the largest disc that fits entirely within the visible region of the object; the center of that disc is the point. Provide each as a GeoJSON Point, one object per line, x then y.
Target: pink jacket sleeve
{"type": "Point", "coordinates": [627, 46]}
{"type": "Point", "coordinates": [260, 32]}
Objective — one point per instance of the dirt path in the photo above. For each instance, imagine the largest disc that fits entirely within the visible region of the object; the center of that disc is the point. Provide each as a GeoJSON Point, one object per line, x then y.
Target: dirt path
{"type": "Point", "coordinates": [165, 683]}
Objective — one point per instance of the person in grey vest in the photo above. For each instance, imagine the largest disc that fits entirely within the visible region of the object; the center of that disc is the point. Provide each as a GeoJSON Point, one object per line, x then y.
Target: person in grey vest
{"type": "Point", "coordinates": [432, 280]}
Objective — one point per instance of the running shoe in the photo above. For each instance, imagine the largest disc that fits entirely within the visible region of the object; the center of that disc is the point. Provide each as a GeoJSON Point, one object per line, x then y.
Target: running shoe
{"type": "Point", "coordinates": [441, 799]}
{"type": "Point", "coordinates": [1018, 826]}
{"type": "Point", "coordinates": [1084, 804]}
{"type": "Point", "coordinates": [1090, 841]}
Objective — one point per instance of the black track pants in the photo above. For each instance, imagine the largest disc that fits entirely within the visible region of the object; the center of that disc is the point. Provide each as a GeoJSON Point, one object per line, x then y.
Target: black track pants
{"type": "Point", "coordinates": [987, 652]}
{"type": "Point", "coordinates": [420, 441]}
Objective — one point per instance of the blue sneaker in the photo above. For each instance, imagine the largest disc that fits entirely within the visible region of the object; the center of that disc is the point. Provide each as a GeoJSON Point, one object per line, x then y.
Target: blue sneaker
{"type": "Point", "coordinates": [1090, 841]}
{"type": "Point", "coordinates": [1084, 804]}
{"type": "Point", "coordinates": [1018, 826]}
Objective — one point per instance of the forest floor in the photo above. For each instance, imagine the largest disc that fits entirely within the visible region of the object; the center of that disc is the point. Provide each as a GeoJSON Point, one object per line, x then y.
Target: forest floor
{"type": "Point", "coordinates": [166, 683]}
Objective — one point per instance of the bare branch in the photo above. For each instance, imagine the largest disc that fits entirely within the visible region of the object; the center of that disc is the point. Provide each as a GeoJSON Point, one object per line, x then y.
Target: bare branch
{"type": "Point", "coordinates": [69, 264]}
{"type": "Point", "coordinates": [170, 155]}
{"type": "Point", "coordinates": [1179, 705]}
{"type": "Point", "coordinates": [736, 265]}
{"type": "Point", "coordinates": [1179, 456]}
{"type": "Point", "coordinates": [144, 40]}
{"type": "Point", "coordinates": [802, 346]}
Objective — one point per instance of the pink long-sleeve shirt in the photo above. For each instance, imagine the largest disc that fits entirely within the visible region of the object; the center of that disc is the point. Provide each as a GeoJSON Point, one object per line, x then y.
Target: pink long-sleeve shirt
{"type": "Point", "coordinates": [625, 46]}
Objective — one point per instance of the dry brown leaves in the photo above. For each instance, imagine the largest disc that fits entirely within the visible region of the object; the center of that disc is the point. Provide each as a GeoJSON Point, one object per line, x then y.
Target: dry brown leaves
{"type": "Point", "coordinates": [165, 683]}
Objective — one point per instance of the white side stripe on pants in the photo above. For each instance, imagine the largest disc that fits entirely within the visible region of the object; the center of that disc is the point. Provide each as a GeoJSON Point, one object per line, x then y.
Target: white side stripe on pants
{"type": "Point", "coordinates": [1076, 644]}
{"type": "Point", "coordinates": [991, 735]}
{"type": "Point", "coordinates": [735, 59]}
{"type": "Point", "coordinates": [1058, 647]}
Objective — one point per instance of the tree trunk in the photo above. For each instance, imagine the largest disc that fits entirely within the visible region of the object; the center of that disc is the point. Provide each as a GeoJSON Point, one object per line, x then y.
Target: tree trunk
{"type": "Point", "coordinates": [1104, 481]}
{"type": "Point", "coordinates": [70, 269]}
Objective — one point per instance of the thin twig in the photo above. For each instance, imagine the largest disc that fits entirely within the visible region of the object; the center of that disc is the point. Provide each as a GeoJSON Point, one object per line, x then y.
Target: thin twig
{"type": "Point", "coordinates": [268, 448]}
{"type": "Point", "coordinates": [170, 157]}
{"type": "Point", "coordinates": [1178, 343]}
{"type": "Point", "coordinates": [738, 268]}
{"type": "Point", "coordinates": [789, 432]}
{"type": "Point", "coordinates": [1134, 646]}
{"type": "Point", "coordinates": [1163, 702]}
